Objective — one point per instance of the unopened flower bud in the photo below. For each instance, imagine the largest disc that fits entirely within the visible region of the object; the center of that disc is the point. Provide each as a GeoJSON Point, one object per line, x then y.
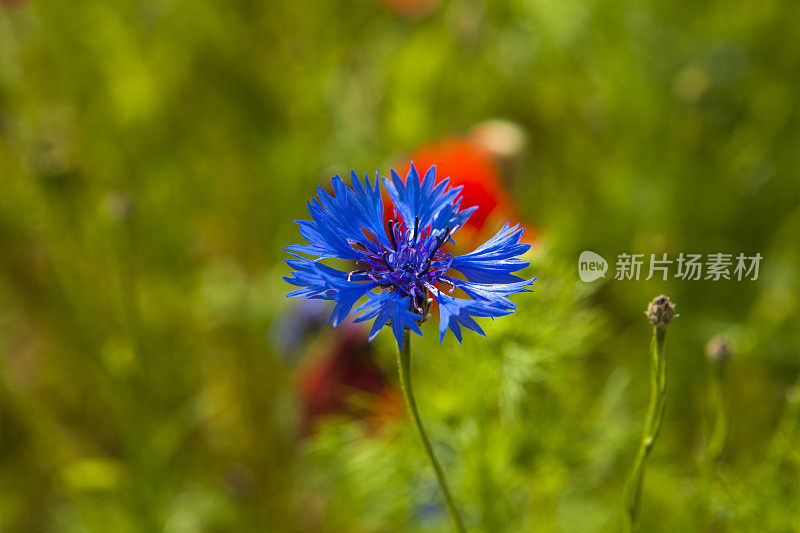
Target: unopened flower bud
{"type": "Point", "coordinates": [718, 349]}
{"type": "Point", "coordinates": [661, 311]}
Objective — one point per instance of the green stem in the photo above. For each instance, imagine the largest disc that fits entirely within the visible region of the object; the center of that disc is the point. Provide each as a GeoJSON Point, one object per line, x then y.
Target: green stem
{"type": "Point", "coordinates": [719, 432]}
{"type": "Point", "coordinates": [404, 367]}
{"type": "Point", "coordinates": [652, 425]}
{"type": "Point", "coordinates": [716, 442]}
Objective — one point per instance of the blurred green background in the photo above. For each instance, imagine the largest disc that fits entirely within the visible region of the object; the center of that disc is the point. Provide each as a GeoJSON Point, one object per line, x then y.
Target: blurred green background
{"type": "Point", "coordinates": [153, 155]}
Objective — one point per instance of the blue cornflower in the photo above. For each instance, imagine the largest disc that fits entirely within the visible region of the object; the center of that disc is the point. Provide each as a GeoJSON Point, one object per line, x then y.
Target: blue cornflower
{"type": "Point", "coordinates": [399, 265]}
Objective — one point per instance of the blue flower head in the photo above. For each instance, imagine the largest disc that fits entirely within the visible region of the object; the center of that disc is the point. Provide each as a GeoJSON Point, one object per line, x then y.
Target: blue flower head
{"type": "Point", "coordinates": [402, 267]}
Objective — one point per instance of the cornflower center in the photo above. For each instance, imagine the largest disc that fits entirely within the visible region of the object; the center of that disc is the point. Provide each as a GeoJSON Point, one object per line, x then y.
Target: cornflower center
{"type": "Point", "coordinates": [413, 261]}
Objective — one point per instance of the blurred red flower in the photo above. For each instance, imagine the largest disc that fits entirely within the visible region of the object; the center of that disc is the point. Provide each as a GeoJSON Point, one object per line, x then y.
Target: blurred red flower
{"type": "Point", "coordinates": [334, 383]}
{"type": "Point", "coordinates": [467, 164]}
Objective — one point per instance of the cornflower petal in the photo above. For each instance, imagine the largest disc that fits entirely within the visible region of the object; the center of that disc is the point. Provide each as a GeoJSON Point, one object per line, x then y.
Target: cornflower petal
{"type": "Point", "coordinates": [436, 205]}
{"type": "Point", "coordinates": [389, 306]}
{"type": "Point", "coordinates": [496, 259]}
{"type": "Point", "coordinates": [494, 292]}
{"type": "Point", "coordinates": [456, 312]}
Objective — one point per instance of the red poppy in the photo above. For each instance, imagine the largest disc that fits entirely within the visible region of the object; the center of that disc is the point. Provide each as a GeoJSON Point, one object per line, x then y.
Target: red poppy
{"type": "Point", "coordinates": [467, 165]}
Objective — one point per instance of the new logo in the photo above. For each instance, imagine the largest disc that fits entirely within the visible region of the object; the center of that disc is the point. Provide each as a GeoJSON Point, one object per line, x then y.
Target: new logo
{"type": "Point", "coordinates": [591, 266]}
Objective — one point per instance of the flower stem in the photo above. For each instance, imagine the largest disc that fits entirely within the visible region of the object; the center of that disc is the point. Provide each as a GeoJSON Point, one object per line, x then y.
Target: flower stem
{"type": "Point", "coordinates": [404, 367]}
{"type": "Point", "coordinates": [652, 425]}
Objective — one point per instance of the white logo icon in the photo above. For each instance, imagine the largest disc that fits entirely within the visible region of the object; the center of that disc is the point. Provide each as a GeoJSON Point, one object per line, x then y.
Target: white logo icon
{"type": "Point", "coordinates": [591, 266]}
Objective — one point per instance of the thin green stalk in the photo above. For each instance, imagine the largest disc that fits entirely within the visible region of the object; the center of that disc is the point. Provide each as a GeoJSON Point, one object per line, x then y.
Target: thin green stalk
{"type": "Point", "coordinates": [715, 446]}
{"type": "Point", "coordinates": [719, 432]}
{"type": "Point", "coordinates": [652, 425]}
{"type": "Point", "coordinates": [404, 367]}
